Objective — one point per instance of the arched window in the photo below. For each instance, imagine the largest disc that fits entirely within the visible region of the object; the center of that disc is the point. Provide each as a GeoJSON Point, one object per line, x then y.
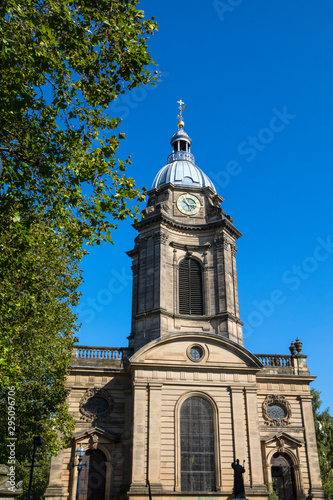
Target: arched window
{"type": "Point", "coordinates": [197, 445]}
{"type": "Point", "coordinates": [92, 485]}
{"type": "Point", "coordinates": [190, 287]}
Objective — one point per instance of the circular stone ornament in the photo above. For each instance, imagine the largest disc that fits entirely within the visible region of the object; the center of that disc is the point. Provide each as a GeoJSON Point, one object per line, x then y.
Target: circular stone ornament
{"type": "Point", "coordinates": [96, 404]}
{"type": "Point", "coordinates": [276, 410]}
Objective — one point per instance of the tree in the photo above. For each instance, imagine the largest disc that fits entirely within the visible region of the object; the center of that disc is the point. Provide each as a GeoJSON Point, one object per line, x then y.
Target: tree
{"type": "Point", "coordinates": [63, 62]}
{"type": "Point", "coordinates": [39, 283]}
{"type": "Point", "coordinates": [324, 434]}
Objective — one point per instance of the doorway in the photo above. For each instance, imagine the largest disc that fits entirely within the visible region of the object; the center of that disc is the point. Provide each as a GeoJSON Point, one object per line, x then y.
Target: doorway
{"type": "Point", "coordinates": [92, 484]}
{"type": "Point", "coordinates": [283, 476]}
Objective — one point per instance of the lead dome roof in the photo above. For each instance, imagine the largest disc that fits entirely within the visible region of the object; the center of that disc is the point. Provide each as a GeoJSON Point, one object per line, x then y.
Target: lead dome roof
{"type": "Point", "coordinates": [181, 169]}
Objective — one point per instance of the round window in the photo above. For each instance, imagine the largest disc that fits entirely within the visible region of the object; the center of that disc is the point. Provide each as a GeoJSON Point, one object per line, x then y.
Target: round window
{"type": "Point", "coordinates": [276, 411]}
{"type": "Point", "coordinates": [96, 405]}
{"type": "Point", "coordinates": [196, 352]}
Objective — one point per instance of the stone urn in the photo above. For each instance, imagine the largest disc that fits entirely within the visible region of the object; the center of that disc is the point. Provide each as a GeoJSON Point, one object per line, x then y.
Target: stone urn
{"type": "Point", "coordinates": [298, 345]}
{"type": "Point", "coordinates": [292, 349]}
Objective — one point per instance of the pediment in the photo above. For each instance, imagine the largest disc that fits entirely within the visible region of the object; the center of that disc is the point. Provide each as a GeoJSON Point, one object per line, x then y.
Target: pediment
{"type": "Point", "coordinates": [174, 349]}
{"type": "Point", "coordinates": [283, 436]}
{"type": "Point", "coordinates": [95, 431]}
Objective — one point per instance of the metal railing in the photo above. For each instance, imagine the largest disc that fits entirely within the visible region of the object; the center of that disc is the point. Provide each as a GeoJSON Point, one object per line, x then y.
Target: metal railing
{"type": "Point", "coordinates": [181, 155]}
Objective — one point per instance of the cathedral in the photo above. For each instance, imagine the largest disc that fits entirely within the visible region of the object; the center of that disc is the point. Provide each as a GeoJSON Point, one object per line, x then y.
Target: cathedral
{"type": "Point", "coordinates": [167, 416]}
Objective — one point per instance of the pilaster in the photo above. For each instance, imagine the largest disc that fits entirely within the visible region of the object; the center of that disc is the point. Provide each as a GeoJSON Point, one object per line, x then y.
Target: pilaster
{"type": "Point", "coordinates": [55, 489]}
{"type": "Point", "coordinates": [220, 271]}
{"type": "Point", "coordinates": [139, 437]}
{"type": "Point", "coordinates": [255, 458]}
{"type": "Point", "coordinates": [154, 426]}
{"type": "Point", "coordinates": [316, 490]}
{"type": "Point", "coordinates": [238, 425]}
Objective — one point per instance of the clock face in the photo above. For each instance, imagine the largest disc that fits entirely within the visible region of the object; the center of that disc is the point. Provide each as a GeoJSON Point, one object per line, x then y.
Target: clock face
{"type": "Point", "coordinates": [188, 204]}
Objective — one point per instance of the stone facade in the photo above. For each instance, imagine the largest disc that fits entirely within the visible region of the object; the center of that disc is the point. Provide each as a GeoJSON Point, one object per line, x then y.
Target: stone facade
{"type": "Point", "coordinates": [129, 402]}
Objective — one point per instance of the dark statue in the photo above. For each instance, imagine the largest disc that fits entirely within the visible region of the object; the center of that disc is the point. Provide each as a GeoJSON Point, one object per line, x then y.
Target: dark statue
{"type": "Point", "coordinates": [238, 479]}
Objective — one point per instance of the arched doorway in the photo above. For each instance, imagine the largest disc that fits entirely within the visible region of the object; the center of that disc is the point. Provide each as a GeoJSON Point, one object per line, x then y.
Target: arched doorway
{"type": "Point", "coordinates": [92, 485]}
{"type": "Point", "coordinates": [283, 476]}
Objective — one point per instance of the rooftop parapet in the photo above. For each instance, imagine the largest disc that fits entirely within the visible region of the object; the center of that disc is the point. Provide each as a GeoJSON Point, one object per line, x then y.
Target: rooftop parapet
{"type": "Point", "coordinates": [100, 356]}
{"type": "Point", "coordinates": [284, 364]}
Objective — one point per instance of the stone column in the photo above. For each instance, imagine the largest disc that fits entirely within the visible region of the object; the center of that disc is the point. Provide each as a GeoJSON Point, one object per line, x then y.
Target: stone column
{"type": "Point", "coordinates": [238, 425]}
{"type": "Point", "coordinates": [255, 466]}
{"type": "Point", "coordinates": [139, 438]}
{"type": "Point", "coordinates": [154, 423]}
{"type": "Point", "coordinates": [55, 489]}
{"type": "Point", "coordinates": [316, 489]}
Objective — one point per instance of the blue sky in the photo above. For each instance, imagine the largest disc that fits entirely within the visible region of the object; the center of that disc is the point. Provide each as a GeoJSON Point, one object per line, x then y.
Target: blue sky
{"type": "Point", "coordinates": [257, 78]}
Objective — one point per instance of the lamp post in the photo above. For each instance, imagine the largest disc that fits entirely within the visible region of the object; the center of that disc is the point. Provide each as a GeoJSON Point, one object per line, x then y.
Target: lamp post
{"type": "Point", "coordinates": [37, 442]}
{"type": "Point", "coordinates": [80, 452]}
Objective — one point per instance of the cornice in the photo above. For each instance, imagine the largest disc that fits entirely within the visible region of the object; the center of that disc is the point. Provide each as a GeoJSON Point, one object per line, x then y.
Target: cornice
{"type": "Point", "coordinates": [191, 248]}
{"type": "Point", "coordinates": [172, 223]}
{"type": "Point", "coordinates": [159, 310]}
{"type": "Point", "coordinates": [283, 377]}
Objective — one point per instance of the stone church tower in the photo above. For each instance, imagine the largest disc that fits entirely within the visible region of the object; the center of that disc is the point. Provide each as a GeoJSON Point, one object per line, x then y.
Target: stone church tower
{"type": "Point", "coordinates": [184, 259]}
{"type": "Point", "coordinates": [168, 415]}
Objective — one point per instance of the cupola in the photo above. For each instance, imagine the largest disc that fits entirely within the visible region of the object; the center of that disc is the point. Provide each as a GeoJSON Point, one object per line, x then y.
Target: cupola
{"type": "Point", "coordinates": [181, 169]}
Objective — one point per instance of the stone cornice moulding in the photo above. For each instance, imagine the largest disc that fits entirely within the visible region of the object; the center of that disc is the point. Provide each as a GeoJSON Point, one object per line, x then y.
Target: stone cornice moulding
{"type": "Point", "coordinates": [283, 377]}
{"type": "Point", "coordinates": [191, 248]}
{"type": "Point", "coordinates": [160, 217]}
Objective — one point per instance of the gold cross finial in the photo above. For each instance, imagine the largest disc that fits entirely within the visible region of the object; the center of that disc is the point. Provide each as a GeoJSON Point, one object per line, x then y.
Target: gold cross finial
{"type": "Point", "coordinates": [181, 108]}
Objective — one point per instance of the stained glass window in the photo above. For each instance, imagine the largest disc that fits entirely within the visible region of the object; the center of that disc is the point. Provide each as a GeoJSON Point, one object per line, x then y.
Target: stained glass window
{"type": "Point", "coordinates": [197, 445]}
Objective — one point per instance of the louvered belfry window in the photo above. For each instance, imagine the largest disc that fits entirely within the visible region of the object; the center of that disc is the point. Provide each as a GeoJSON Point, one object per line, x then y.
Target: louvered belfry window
{"type": "Point", "coordinates": [190, 287]}
{"type": "Point", "coordinates": [197, 445]}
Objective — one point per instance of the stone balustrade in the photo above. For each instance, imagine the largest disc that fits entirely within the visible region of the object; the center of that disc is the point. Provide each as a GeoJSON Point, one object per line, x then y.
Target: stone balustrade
{"type": "Point", "coordinates": [281, 363]}
{"type": "Point", "coordinates": [275, 359]}
{"type": "Point", "coordinates": [100, 356]}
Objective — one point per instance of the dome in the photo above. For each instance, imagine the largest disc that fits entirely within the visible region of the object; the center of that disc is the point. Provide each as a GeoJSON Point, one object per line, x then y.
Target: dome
{"type": "Point", "coordinates": [182, 173]}
{"type": "Point", "coordinates": [181, 169]}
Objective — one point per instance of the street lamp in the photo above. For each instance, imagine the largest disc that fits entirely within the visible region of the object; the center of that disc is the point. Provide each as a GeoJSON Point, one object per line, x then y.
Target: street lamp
{"type": "Point", "coordinates": [80, 452]}
{"type": "Point", "coordinates": [37, 442]}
